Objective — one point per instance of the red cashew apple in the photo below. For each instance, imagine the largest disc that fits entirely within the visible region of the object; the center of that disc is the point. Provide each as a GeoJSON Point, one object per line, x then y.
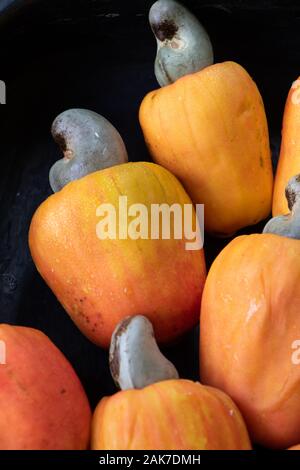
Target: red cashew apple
{"type": "Point", "coordinates": [43, 405]}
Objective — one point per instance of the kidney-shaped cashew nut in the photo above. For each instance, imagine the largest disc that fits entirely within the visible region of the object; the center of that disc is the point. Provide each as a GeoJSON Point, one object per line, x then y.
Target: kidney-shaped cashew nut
{"type": "Point", "coordinates": [288, 225]}
{"type": "Point", "coordinates": [89, 143]}
{"type": "Point", "coordinates": [134, 357]}
{"type": "Point", "coordinates": [183, 45]}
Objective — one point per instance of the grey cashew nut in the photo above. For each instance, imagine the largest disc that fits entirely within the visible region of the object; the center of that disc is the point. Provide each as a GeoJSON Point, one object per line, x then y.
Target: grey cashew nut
{"type": "Point", "coordinates": [89, 143]}
{"type": "Point", "coordinates": [183, 45]}
{"type": "Point", "coordinates": [288, 225]}
{"type": "Point", "coordinates": [134, 357]}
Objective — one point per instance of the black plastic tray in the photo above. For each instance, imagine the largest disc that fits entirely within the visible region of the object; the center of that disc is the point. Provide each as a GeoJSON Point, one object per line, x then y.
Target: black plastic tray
{"type": "Point", "coordinates": [99, 55]}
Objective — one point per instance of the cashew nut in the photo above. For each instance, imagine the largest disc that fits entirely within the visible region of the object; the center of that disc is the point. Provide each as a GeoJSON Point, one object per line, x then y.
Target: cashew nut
{"type": "Point", "coordinates": [183, 45]}
{"type": "Point", "coordinates": [89, 143]}
{"type": "Point", "coordinates": [134, 357]}
{"type": "Point", "coordinates": [288, 225]}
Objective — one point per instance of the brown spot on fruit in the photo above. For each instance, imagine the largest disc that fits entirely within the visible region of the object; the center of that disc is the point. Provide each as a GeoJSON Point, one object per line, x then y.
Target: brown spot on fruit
{"type": "Point", "coordinates": [261, 161]}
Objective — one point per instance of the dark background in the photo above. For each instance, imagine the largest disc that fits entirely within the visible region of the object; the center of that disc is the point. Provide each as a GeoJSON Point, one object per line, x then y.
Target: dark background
{"type": "Point", "coordinates": [99, 55]}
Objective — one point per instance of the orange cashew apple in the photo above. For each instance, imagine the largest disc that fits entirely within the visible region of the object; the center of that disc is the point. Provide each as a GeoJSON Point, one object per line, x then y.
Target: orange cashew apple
{"type": "Point", "coordinates": [289, 159]}
{"type": "Point", "coordinates": [99, 281]}
{"type": "Point", "coordinates": [250, 327]}
{"type": "Point", "coordinates": [210, 129]}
